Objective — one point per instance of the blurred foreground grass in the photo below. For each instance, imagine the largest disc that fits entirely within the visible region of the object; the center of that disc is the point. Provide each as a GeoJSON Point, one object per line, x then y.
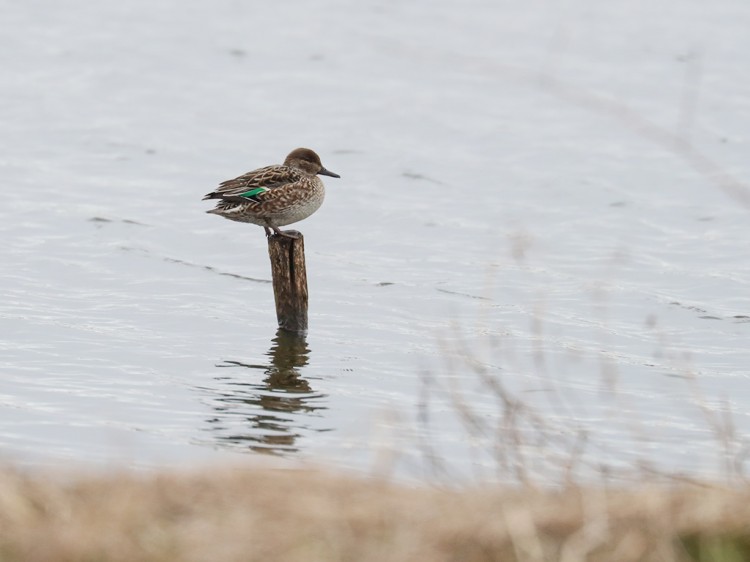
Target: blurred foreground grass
{"type": "Point", "coordinates": [296, 515]}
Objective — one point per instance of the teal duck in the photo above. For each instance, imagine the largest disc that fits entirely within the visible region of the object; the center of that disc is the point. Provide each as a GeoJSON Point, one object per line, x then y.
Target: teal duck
{"type": "Point", "coordinates": [274, 196]}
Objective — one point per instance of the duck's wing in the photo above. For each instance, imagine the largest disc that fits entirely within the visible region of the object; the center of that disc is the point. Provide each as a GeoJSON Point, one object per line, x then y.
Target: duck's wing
{"type": "Point", "coordinates": [252, 185]}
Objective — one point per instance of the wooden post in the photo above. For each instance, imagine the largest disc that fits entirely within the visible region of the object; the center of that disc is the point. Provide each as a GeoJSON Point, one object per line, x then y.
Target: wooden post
{"type": "Point", "coordinates": [289, 280]}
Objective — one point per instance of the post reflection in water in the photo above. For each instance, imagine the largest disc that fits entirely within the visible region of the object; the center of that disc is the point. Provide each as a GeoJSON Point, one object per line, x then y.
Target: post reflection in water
{"type": "Point", "coordinates": [268, 416]}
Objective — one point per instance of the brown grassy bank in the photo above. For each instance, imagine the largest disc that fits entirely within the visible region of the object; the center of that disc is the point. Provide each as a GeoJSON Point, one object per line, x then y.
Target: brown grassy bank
{"type": "Point", "coordinates": [248, 515]}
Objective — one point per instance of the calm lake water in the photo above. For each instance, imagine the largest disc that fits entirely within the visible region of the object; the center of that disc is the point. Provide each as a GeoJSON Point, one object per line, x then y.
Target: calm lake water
{"type": "Point", "coordinates": [537, 250]}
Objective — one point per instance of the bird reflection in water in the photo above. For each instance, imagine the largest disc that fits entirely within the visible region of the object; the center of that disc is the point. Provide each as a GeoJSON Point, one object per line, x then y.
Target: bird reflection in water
{"type": "Point", "coordinates": [271, 415]}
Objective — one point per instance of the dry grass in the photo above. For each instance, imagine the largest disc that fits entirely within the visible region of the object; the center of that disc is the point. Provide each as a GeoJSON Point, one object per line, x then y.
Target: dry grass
{"type": "Point", "coordinates": [309, 516]}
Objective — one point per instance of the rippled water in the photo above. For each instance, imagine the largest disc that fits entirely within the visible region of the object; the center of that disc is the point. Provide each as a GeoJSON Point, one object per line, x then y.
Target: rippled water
{"type": "Point", "coordinates": [550, 195]}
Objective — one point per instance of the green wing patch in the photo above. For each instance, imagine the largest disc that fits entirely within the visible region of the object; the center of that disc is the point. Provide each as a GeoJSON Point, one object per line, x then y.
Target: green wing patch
{"type": "Point", "coordinates": [253, 193]}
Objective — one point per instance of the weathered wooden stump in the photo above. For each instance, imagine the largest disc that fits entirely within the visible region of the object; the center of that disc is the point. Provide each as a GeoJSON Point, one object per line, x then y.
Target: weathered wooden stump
{"type": "Point", "coordinates": [289, 280]}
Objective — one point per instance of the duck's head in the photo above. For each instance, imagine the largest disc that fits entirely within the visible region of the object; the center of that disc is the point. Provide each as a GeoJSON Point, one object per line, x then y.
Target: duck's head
{"type": "Point", "coordinates": [306, 160]}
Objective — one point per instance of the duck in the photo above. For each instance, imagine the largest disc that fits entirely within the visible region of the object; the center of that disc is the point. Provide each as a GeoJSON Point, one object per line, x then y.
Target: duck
{"type": "Point", "coordinates": [276, 195]}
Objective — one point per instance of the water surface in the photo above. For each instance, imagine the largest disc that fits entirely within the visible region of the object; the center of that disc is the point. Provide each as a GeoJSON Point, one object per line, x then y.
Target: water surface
{"type": "Point", "coordinates": [548, 196]}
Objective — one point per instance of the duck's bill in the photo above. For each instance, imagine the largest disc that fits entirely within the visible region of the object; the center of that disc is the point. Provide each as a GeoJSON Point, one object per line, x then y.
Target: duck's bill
{"type": "Point", "coordinates": [324, 172]}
